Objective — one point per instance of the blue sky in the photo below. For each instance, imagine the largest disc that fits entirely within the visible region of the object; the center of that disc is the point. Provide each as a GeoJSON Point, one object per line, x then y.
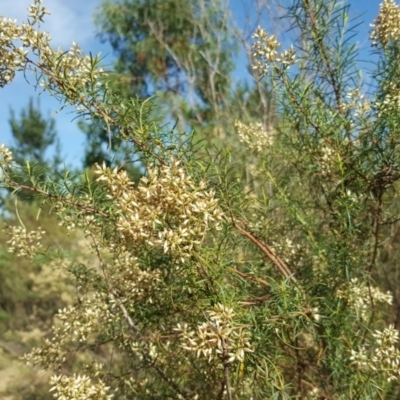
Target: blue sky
{"type": "Point", "coordinates": [70, 21]}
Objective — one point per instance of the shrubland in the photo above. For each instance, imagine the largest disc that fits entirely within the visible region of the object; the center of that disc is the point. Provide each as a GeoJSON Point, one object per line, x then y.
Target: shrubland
{"type": "Point", "coordinates": [248, 249]}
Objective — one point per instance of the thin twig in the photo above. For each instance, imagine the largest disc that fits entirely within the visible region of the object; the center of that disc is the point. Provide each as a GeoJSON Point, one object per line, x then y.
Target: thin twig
{"type": "Point", "coordinates": [331, 73]}
{"type": "Point", "coordinates": [56, 198]}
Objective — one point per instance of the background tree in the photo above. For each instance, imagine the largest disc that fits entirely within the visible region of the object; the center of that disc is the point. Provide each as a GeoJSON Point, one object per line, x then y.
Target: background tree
{"type": "Point", "coordinates": [33, 135]}
{"type": "Point", "coordinates": [185, 53]}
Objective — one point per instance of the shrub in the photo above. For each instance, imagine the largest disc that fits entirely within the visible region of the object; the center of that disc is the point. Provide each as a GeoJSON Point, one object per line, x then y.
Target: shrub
{"type": "Point", "coordinates": [206, 287]}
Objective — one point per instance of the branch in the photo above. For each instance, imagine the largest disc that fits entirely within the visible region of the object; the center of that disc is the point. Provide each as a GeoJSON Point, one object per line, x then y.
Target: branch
{"type": "Point", "coordinates": [268, 251]}
{"type": "Point", "coordinates": [90, 104]}
{"type": "Point", "coordinates": [55, 197]}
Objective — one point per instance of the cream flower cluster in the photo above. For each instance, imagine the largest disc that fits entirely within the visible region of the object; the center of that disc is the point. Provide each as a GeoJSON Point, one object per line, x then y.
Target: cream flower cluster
{"type": "Point", "coordinates": [23, 243]}
{"type": "Point", "coordinates": [217, 337]}
{"type": "Point", "coordinates": [36, 12]}
{"type": "Point", "coordinates": [359, 297]}
{"type": "Point", "coordinates": [287, 249]}
{"type": "Point", "coordinates": [78, 324]}
{"type": "Point", "coordinates": [357, 103]}
{"type": "Point", "coordinates": [264, 52]}
{"type": "Point", "coordinates": [75, 70]}
{"type": "Point", "coordinates": [78, 218]}
{"type": "Point", "coordinates": [254, 135]}
{"type": "Point", "coordinates": [6, 157]}
{"type": "Point", "coordinates": [382, 356]}
{"type": "Point", "coordinates": [386, 27]}
{"type": "Point", "coordinates": [391, 101]}
{"type": "Point", "coordinates": [313, 394]}
{"type": "Point", "coordinates": [136, 284]}
{"type": "Point", "coordinates": [167, 210]}
{"type": "Point", "coordinates": [12, 57]}
{"type": "Point", "coordinates": [326, 160]}
{"type": "Point", "coordinates": [79, 387]}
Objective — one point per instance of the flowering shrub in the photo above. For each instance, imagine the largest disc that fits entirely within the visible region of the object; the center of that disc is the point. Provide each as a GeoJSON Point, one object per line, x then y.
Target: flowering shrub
{"type": "Point", "coordinates": [199, 287]}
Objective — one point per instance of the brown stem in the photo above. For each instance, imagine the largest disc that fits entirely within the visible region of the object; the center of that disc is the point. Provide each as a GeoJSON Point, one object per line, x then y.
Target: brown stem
{"type": "Point", "coordinates": [268, 251]}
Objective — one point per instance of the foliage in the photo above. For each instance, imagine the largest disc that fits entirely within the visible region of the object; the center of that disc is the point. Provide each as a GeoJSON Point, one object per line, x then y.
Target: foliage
{"type": "Point", "coordinates": [208, 285]}
{"type": "Point", "coordinates": [165, 45]}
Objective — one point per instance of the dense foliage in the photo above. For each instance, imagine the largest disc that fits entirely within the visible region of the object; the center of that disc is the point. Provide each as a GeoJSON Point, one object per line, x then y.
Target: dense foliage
{"type": "Point", "coordinates": [252, 251]}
